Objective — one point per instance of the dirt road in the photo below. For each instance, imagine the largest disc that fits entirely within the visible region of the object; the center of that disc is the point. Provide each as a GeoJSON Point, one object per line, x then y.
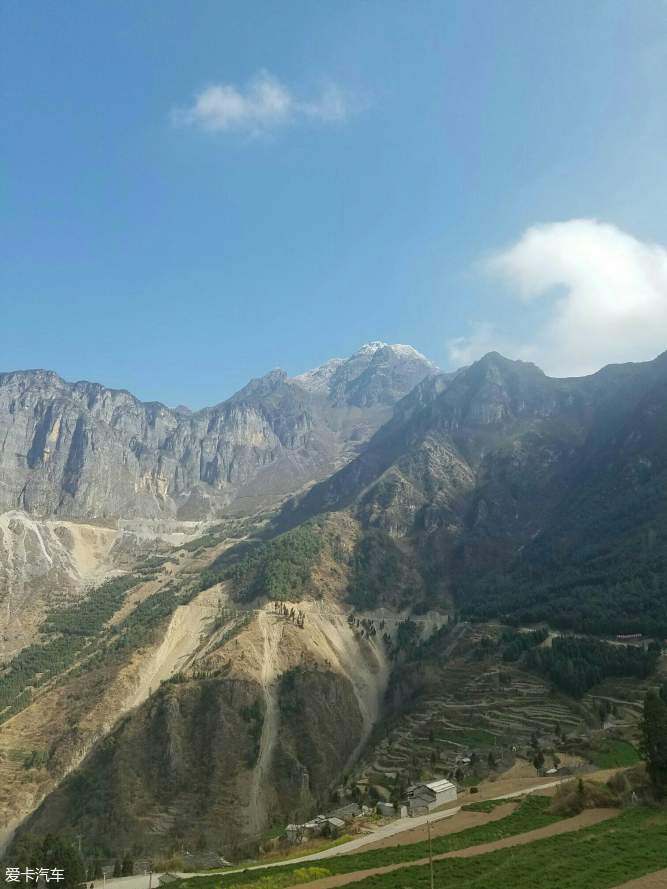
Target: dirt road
{"type": "Point", "coordinates": [408, 830]}
{"type": "Point", "coordinates": [443, 827]}
{"type": "Point", "coordinates": [656, 880]}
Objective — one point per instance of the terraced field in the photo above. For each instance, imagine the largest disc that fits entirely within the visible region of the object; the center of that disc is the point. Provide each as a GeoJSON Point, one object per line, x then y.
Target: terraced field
{"type": "Point", "coordinates": [470, 703]}
{"type": "Point", "coordinates": [480, 709]}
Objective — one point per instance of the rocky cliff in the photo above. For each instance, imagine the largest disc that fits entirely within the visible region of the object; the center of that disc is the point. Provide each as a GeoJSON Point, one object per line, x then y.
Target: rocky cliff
{"type": "Point", "coordinates": [81, 450]}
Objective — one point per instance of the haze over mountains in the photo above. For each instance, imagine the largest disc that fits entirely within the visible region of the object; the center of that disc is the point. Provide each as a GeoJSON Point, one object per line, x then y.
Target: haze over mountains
{"type": "Point", "coordinates": [498, 467]}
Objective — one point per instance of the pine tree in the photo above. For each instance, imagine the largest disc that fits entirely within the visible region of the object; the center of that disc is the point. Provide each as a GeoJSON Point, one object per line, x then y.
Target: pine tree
{"type": "Point", "coordinates": [654, 742]}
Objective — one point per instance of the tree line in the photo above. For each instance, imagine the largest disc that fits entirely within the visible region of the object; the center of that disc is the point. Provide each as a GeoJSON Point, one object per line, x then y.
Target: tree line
{"type": "Point", "coordinates": [280, 569]}
{"type": "Point", "coordinates": [575, 665]}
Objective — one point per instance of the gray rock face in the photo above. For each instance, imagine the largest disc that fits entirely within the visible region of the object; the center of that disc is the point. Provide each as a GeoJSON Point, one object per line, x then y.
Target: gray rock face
{"type": "Point", "coordinates": [475, 465]}
{"type": "Point", "coordinates": [376, 374]}
{"type": "Point", "coordinates": [81, 450]}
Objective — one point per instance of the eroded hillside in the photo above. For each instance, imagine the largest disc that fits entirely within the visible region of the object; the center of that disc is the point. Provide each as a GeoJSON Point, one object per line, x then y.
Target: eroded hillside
{"type": "Point", "coordinates": [284, 695]}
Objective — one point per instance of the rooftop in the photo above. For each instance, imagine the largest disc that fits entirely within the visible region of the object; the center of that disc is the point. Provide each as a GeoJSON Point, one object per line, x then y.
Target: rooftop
{"type": "Point", "coordinates": [438, 786]}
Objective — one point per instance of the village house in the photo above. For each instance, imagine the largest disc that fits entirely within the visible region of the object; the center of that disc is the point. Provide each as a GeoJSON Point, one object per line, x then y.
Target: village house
{"type": "Point", "coordinates": [336, 826]}
{"type": "Point", "coordinates": [314, 827]}
{"type": "Point", "coordinates": [320, 825]}
{"type": "Point", "coordinates": [424, 798]}
{"type": "Point", "coordinates": [294, 833]}
{"type": "Point", "coordinates": [386, 809]}
{"type": "Point", "coordinates": [348, 812]}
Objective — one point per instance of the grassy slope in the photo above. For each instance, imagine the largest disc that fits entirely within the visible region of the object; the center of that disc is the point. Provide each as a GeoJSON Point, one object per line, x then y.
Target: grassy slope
{"type": "Point", "coordinates": [616, 754]}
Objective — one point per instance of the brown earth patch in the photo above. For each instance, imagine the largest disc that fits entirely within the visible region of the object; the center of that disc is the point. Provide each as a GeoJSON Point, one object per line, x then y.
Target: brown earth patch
{"type": "Point", "coordinates": [656, 880]}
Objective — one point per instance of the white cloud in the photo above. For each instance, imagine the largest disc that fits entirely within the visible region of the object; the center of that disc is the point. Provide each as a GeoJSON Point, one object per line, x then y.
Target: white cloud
{"type": "Point", "coordinates": [262, 105]}
{"type": "Point", "coordinates": [485, 337]}
{"type": "Point", "coordinates": [608, 298]}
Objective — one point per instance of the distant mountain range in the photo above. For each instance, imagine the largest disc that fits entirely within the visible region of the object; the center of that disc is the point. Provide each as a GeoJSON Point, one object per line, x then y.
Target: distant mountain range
{"type": "Point", "coordinates": [501, 480]}
{"type": "Point", "coordinates": [82, 450]}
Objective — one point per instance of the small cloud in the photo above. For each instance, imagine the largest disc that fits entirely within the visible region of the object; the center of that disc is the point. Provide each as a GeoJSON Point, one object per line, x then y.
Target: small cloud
{"type": "Point", "coordinates": [483, 338]}
{"type": "Point", "coordinates": [262, 105]}
{"type": "Point", "coordinates": [330, 106]}
{"type": "Point", "coordinates": [607, 295]}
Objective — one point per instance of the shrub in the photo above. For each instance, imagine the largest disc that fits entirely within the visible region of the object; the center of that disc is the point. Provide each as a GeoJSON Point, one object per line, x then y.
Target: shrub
{"type": "Point", "coordinates": [619, 784]}
{"type": "Point", "coordinates": [575, 796]}
{"type": "Point", "coordinates": [306, 874]}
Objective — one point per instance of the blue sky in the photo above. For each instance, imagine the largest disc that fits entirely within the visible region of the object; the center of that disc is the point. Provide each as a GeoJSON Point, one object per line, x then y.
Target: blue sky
{"type": "Point", "coordinates": [195, 193]}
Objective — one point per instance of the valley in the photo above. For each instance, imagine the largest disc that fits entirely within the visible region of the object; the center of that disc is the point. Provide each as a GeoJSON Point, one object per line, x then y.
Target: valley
{"type": "Point", "coordinates": [183, 676]}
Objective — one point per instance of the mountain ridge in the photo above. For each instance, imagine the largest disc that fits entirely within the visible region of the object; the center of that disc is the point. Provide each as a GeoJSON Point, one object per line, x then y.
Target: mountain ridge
{"type": "Point", "coordinates": [83, 450]}
{"type": "Point", "coordinates": [475, 471]}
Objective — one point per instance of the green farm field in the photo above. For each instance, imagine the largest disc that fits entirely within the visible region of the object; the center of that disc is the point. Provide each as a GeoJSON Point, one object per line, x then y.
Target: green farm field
{"type": "Point", "coordinates": [599, 857]}
{"type": "Point", "coordinates": [616, 754]}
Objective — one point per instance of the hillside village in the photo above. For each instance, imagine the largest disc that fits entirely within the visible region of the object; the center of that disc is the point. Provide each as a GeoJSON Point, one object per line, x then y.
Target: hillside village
{"type": "Point", "coordinates": [421, 799]}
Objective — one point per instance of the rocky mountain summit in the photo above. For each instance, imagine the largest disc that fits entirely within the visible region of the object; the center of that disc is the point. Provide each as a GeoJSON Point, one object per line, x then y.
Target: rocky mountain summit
{"type": "Point", "coordinates": [82, 450]}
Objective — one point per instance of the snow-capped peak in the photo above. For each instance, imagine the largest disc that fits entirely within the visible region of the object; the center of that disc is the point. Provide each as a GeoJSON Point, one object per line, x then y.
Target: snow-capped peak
{"type": "Point", "coordinates": [371, 348]}
{"type": "Point", "coordinates": [317, 379]}
{"type": "Point", "coordinates": [397, 348]}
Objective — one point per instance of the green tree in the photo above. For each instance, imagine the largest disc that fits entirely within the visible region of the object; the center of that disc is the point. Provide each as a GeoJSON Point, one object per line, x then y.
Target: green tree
{"type": "Point", "coordinates": [117, 869]}
{"type": "Point", "coordinates": [538, 760]}
{"type": "Point", "coordinates": [581, 796]}
{"type": "Point", "coordinates": [653, 745]}
{"type": "Point", "coordinates": [51, 852]}
{"type": "Point", "coordinates": [127, 867]}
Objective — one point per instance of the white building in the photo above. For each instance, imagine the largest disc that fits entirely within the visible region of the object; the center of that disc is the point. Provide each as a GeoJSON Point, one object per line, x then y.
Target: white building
{"type": "Point", "coordinates": [320, 824]}
{"type": "Point", "coordinates": [336, 826]}
{"type": "Point", "coordinates": [315, 827]}
{"type": "Point", "coordinates": [294, 833]}
{"type": "Point", "coordinates": [426, 797]}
